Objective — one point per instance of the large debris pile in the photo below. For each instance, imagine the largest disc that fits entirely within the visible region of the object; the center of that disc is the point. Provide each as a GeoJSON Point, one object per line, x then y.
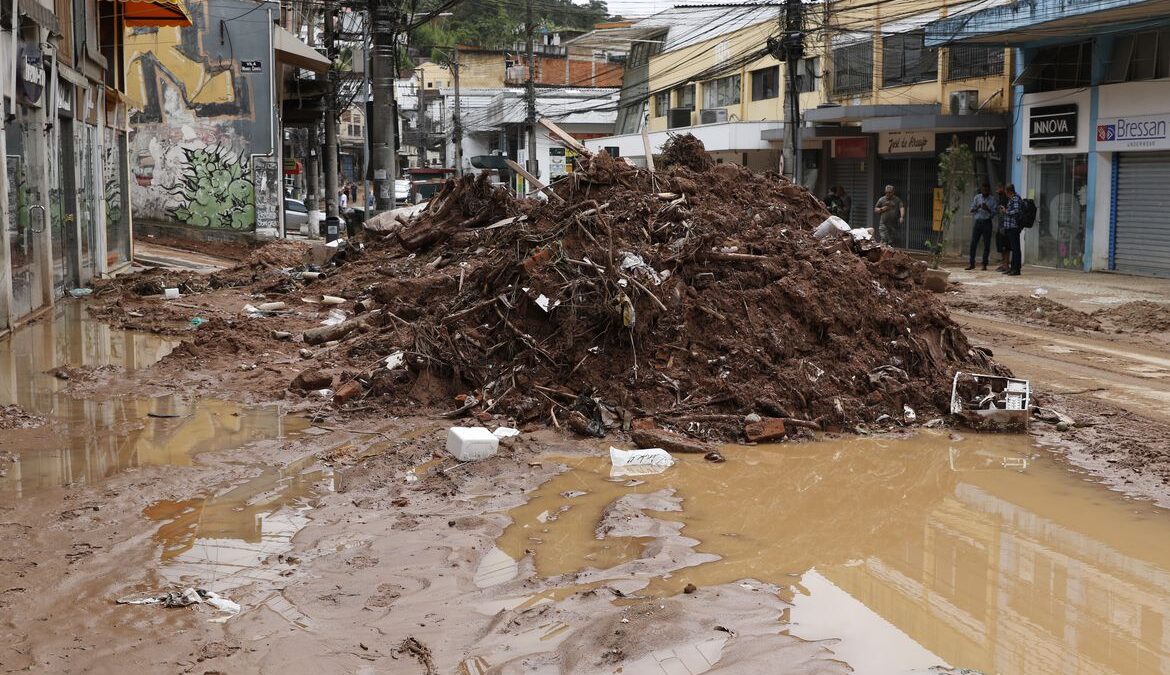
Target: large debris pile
{"type": "Point", "coordinates": [696, 295]}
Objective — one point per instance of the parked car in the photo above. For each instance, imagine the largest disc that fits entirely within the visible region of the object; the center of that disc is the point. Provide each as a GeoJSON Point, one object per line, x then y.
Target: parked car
{"type": "Point", "coordinates": [426, 181]}
{"type": "Point", "coordinates": [296, 216]}
{"type": "Point", "coordinates": [401, 191]}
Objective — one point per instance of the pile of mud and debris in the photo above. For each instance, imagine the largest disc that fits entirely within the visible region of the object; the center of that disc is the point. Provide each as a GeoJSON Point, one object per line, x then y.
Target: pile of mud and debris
{"type": "Point", "coordinates": [695, 295]}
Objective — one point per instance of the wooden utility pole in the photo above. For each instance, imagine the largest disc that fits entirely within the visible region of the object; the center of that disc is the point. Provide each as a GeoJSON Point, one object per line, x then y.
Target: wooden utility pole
{"type": "Point", "coordinates": [533, 164]}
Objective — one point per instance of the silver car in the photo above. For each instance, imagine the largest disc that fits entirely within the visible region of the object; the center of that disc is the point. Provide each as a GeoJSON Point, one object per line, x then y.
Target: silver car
{"type": "Point", "coordinates": [296, 216]}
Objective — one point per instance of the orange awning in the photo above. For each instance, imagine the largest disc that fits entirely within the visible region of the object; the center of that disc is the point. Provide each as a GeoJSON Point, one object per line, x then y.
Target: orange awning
{"type": "Point", "coordinates": [155, 13]}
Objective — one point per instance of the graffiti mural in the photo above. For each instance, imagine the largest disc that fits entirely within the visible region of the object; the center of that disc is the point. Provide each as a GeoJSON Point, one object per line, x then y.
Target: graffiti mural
{"type": "Point", "coordinates": [198, 121]}
{"type": "Point", "coordinates": [214, 191]}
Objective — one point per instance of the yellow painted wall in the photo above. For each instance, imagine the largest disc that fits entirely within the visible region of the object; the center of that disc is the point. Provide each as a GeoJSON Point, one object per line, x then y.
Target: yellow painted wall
{"type": "Point", "coordinates": [431, 75]}
{"type": "Point", "coordinates": [481, 71]}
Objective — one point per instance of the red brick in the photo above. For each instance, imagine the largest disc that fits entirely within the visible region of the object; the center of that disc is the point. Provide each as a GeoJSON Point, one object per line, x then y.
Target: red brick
{"type": "Point", "coordinates": [767, 429]}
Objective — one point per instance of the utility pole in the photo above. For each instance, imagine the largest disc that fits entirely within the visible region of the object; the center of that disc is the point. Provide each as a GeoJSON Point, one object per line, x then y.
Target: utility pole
{"type": "Point", "coordinates": [533, 165]}
{"type": "Point", "coordinates": [331, 214]}
{"type": "Point", "coordinates": [383, 123]}
{"type": "Point", "coordinates": [457, 117]}
{"type": "Point", "coordinates": [794, 52]}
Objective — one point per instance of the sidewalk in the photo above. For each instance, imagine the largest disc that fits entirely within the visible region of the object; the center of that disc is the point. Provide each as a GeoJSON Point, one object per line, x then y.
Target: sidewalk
{"type": "Point", "coordinates": [1083, 291]}
{"type": "Point", "coordinates": [155, 255]}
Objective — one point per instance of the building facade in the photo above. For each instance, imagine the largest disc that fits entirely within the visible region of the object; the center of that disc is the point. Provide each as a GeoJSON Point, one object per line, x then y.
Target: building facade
{"type": "Point", "coordinates": [66, 214]}
{"type": "Point", "coordinates": [1092, 109]}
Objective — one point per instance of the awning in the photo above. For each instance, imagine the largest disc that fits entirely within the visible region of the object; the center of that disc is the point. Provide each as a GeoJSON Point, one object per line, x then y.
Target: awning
{"type": "Point", "coordinates": [1016, 23]}
{"type": "Point", "coordinates": [291, 51]}
{"type": "Point", "coordinates": [155, 13]}
{"type": "Point", "coordinates": [42, 15]}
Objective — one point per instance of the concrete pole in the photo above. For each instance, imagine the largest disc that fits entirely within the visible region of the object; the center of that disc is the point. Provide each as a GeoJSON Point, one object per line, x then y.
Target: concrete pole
{"type": "Point", "coordinates": [383, 123]}
{"type": "Point", "coordinates": [330, 160]}
{"type": "Point", "coordinates": [457, 117]}
{"type": "Point", "coordinates": [533, 165]}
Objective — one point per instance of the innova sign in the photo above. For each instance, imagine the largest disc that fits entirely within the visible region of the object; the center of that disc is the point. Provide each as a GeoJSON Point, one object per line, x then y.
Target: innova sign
{"type": "Point", "coordinates": [1052, 126]}
{"type": "Point", "coordinates": [1136, 132]}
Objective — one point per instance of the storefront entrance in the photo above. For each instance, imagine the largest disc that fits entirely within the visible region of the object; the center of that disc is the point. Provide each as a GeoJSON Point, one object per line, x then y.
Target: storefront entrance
{"type": "Point", "coordinates": [914, 180]}
{"type": "Point", "coordinates": [1142, 221]}
{"type": "Point", "coordinates": [1057, 183]}
{"type": "Point", "coordinates": [28, 217]}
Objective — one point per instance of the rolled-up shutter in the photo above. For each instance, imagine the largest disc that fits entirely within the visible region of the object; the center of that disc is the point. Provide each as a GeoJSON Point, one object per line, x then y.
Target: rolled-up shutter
{"type": "Point", "coordinates": [1142, 244]}
{"type": "Point", "coordinates": [851, 174]}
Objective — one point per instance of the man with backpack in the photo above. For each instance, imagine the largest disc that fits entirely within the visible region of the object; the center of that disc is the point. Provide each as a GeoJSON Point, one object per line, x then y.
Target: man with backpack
{"type": "Point", "coordinates": [1016, 216]}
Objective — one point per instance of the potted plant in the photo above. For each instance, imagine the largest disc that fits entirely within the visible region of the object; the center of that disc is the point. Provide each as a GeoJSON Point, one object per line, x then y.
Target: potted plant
{"type": "Point", "coordinates": [956, 174]}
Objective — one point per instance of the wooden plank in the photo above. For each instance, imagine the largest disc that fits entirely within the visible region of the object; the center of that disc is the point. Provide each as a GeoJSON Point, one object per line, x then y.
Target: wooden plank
{"type": "Point", "coordinates": [532, 180]}
{"type": "Point", "coordinates": [565, 137]}
{"type": "Point", "coordinates": [646, 147]}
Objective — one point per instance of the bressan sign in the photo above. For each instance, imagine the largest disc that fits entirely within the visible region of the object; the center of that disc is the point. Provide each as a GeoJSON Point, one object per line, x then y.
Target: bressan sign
{"type": "Point", "coordinates": [1135, 132]}
{"type": "Point", "coordinates": [1052, 126]}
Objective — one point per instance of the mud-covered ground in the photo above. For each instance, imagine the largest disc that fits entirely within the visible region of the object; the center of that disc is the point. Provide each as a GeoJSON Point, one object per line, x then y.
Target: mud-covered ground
{"type": "Point", "coordinates": [393, 568]}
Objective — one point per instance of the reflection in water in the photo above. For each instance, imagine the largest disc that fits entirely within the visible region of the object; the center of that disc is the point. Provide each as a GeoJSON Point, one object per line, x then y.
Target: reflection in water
{"type": "Point", "coordinates": [221, 541]}
{"type": "Point", "coordinates": [942, 549]}
{"type": "Point", "coordinates": [88, 439]}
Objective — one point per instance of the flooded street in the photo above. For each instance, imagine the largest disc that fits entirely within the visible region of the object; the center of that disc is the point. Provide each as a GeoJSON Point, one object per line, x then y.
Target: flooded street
{"type": "Point", "coordinates": [905, 554]}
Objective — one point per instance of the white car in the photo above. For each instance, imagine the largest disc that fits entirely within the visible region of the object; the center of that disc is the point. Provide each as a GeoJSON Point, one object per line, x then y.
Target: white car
{"type": "Point", "coordinates": [296, 216]}
{"type": "Point", "coordinates": [401, 191]}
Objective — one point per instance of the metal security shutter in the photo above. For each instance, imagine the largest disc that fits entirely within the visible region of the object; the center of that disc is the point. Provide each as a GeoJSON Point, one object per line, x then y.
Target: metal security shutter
{"type": "Point", "coordinates": [1142, 244]}
{"type": "Point", "coordinates": [851, 174]}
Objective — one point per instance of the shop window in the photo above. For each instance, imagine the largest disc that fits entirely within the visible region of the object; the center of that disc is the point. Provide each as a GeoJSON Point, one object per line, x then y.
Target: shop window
{"type": "Point", "coordinates": [765, 83]}
{"type": "Point", "coordinates": [1058, 67]}
{"type": "Point", "coordinates": [661, 103]}
{"type": "Point", "coordinates": [905, 59]}
{"type": "Point", "coordinates": [685, 96]}
{"type": "Point", "coordinates": [853, 69]}
{"type": "Point", "coordinates": [1058, 184]}
{"type": "Point", "coordinates": [1139, 56]}
{"type": "Point", "coordinates": [808, 71]}
{"type": "Point", "coordinates": [721, 93]}
{"type": "Point", "coordinates": [974, 61]}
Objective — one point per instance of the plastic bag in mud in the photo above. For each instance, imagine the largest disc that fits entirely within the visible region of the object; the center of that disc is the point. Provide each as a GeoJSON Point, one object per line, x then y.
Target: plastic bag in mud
{"type": "Point", "coordinates": [639, 462]}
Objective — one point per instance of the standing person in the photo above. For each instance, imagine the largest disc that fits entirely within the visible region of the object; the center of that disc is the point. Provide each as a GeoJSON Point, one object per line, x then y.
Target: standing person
{"type": "Point", "coordinates": [846, 202]}
{"type": "Point", "coordinates": [342, 199]}
{"type": "Point", "coordinates": [892, 213]}
{"type": "Point", "coordinates": [1001, 242]}
{"type": "Point", "coordinates": [983, 208]}
{"type": "Point", "coordinates": [1011, 228]}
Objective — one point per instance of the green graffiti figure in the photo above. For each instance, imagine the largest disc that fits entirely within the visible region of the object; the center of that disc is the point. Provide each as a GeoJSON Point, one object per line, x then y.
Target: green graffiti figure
{"type": "Point", "coordinates": [215, 191]}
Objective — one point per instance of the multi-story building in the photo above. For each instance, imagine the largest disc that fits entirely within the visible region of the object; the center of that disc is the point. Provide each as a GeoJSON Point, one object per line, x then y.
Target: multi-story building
{"type": "Point", "coordinates": [1090, 142]}
{"type": "Point", "coordinates": [66, 216]}
{"type": "Point", "coordinates": [877, 105]}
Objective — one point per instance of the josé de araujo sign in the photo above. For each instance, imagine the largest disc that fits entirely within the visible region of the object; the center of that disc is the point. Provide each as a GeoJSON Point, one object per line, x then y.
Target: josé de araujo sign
{"type": "Point", "coordinates": [1052, 126]}
{"type": "Point", "coordinates": [1137, 132]}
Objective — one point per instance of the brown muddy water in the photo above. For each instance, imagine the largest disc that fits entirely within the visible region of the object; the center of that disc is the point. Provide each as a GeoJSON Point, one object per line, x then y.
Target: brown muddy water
{"type": "Point", "coordinates": [89, 438]}
{"type": "Point", "coordinates": [968, 551]}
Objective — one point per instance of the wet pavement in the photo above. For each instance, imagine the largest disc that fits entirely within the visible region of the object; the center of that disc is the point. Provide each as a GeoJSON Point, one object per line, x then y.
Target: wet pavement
{"type": "Point", "coordinates": [86, 439]}
{"type": "Point", "coordinates": [975, 552]}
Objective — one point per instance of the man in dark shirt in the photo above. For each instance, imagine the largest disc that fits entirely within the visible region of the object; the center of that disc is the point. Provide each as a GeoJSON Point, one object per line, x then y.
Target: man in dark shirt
{"type": "Point", "coordinates": [891, 214]}
{"type": "Point", "coordinates": [983, 209]}
{"type": "Point", "coordinates": [1011, 228]}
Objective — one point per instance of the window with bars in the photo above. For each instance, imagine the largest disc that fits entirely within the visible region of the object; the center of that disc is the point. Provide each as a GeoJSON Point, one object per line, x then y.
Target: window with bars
{"type": "Point", "coordinates": [853, 69]}
{"type": "Point", "coordinates": [661, 103]}
{"type": "Point", "coordinates": [974, 61]}
{"type": "Point", "coordinates": [765, 83]}
{"type": "Point", "coordinates": [1139, 56]}
{"type": "Point", "coordinates": [1066, 66]}
{"type": "Point", "coordinates": [905, 59]}
{"type": "Point", "coordinates": [722, 92]}
{"type": "Point", "coordinates": [808, 71]}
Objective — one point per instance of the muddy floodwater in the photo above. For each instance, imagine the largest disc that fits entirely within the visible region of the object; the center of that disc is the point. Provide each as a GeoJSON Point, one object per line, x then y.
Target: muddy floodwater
{"type": "Point", "coordinates": [964, 551]}
{"type": "Point", "coordinates": [91, 436]}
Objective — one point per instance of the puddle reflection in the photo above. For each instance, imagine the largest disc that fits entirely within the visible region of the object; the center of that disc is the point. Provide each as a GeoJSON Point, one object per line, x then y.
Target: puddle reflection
{"type": "Point", "coordinates": [950, 553]}
{"type": "Point", "coordinates": [85, 440]}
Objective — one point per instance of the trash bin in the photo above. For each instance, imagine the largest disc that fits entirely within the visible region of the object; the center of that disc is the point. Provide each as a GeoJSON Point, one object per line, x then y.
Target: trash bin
{"type": "Point", "coordinates": [353, 221]}
{"type": "Point", "coordinates": [330, 226]}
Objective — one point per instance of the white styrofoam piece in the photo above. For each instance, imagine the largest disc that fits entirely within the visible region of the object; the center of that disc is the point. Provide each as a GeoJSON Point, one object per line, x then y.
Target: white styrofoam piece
{"type": "Point", "coordinates": [468, 444]}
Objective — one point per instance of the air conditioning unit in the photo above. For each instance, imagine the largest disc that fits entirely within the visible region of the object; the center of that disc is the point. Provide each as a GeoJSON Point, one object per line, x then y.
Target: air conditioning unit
{"type": "Point", "coordinates": [678, 117]}
{"type": "Point", "coordinates": [713, 116]}
{"type": "Point", "coordinates": [965, 102]}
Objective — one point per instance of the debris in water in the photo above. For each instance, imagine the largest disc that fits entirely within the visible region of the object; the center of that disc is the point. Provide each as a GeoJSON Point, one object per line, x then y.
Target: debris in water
{"type": "Point", "coordinates": [186, 598]}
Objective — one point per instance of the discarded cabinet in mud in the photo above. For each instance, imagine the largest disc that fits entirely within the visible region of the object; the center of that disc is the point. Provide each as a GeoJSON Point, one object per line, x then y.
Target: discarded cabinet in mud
{"type": "Point", "coordinates": [991, 402]}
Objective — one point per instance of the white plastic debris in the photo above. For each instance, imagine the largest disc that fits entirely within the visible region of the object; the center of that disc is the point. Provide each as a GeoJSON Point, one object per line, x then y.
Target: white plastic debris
{"type": "Point", "coordinates": [171, 293]}
{"type": "Point", "coordinates": [909, 414]}
{"type": "Point", "coordinates": [334, 317]}
{"type": "Point", "coordinates": [324, 393]}
{"type": "Point", "coordinates": [469, 444]}
{"type": "Point", "coordinates": [505, 432]}
{"type": "Point", "coordinates": [1040, 292]}
{"type": "Point", "coordinates": [394, 360]}
{"type": "Point", "coordinates": [222, 604]}
{"type": "Point", "coordinates": [654, 457]}
{"type": "Point", "coordinates": [831, 225]}
{"type": "Point", "coordinates": [862, 233]}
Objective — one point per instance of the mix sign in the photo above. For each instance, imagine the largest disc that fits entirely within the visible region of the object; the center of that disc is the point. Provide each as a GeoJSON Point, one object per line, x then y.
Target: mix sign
{"type": "Point", "coordinates": [1143, 132]}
